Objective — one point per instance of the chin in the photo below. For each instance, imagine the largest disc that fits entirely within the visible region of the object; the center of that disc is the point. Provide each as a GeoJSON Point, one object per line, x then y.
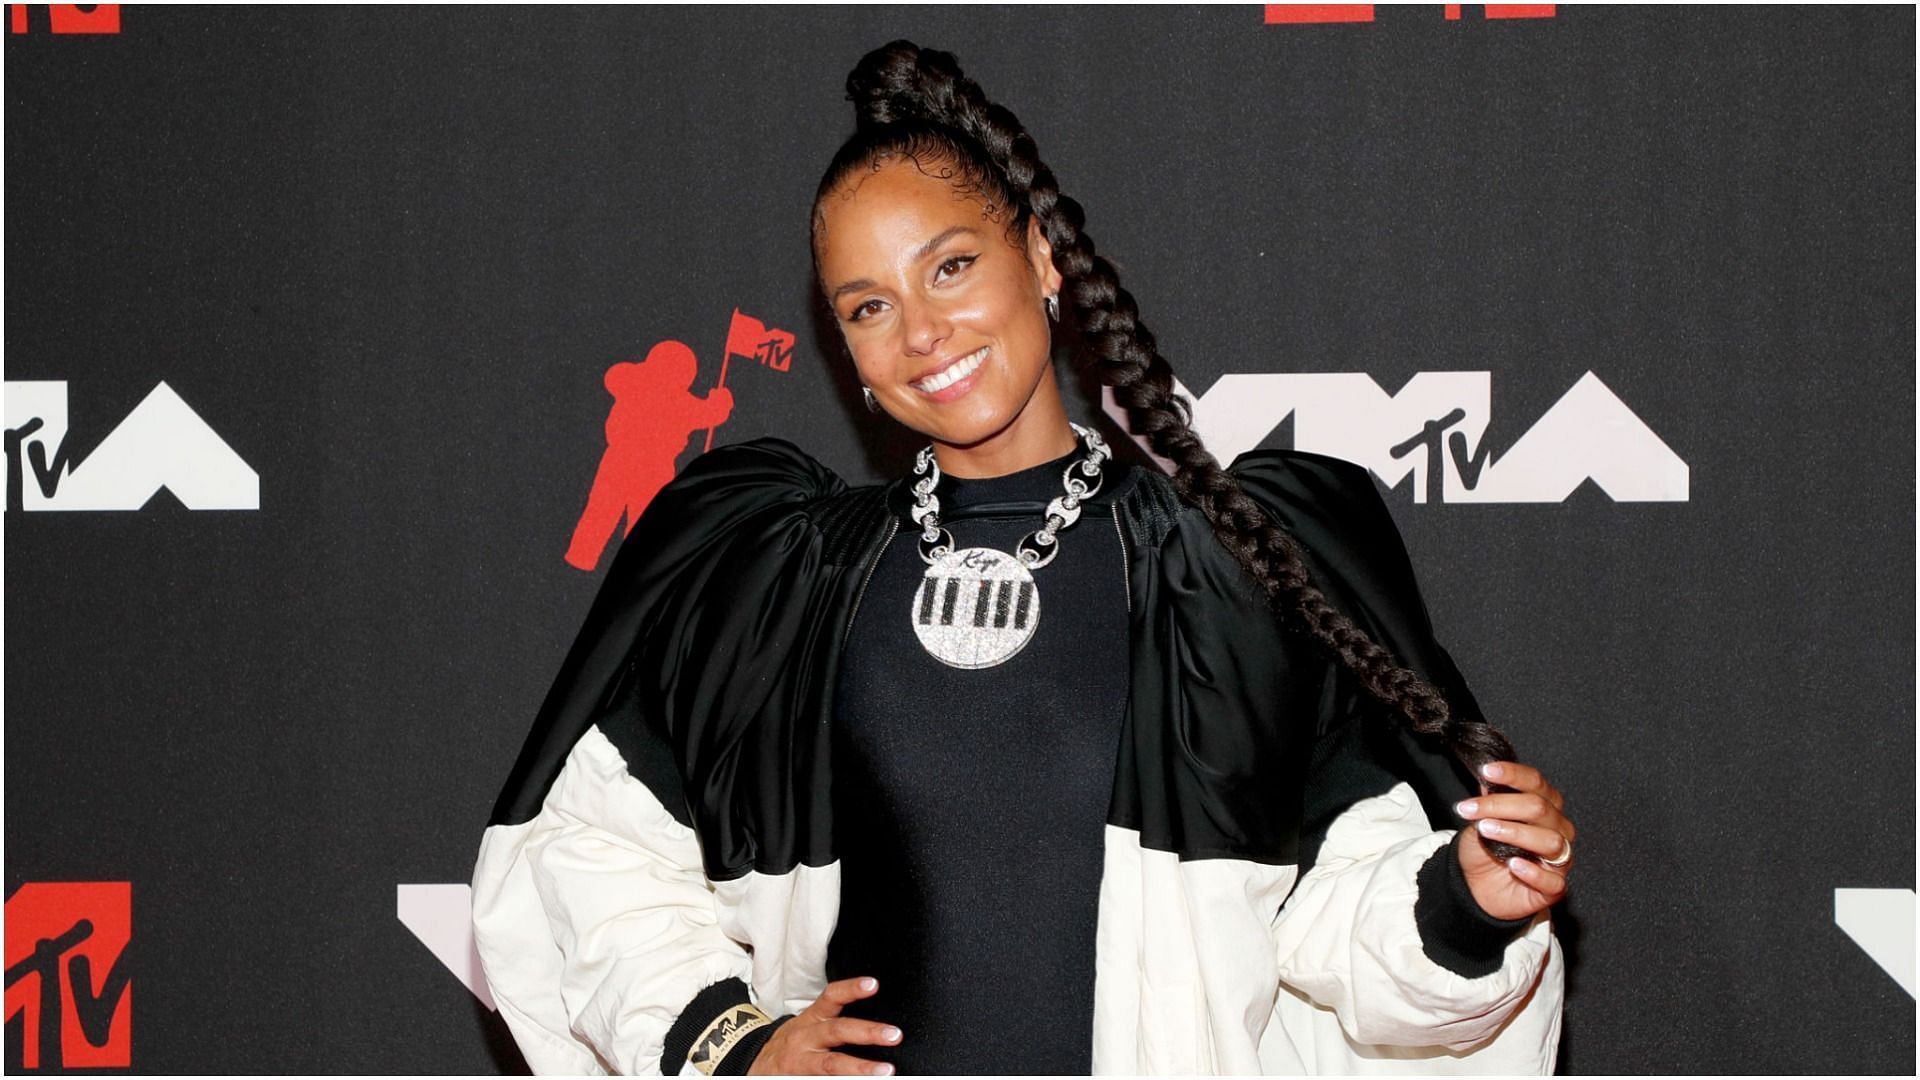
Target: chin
{"type": "Point", "coordinates": [973, 429]}
{"type": "Point", "coordinates": [979, 415]}
{"type": "Point", "coordinates": [970, 429]}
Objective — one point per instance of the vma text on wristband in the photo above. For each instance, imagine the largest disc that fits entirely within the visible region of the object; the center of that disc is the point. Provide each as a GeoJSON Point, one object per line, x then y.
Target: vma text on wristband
{"type": "Point", "coordinates": [725, 1033]}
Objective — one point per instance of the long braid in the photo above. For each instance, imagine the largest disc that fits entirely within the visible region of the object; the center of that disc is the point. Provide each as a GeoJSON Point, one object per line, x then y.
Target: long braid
{"type": "Point", "coordinates": [910, 101]}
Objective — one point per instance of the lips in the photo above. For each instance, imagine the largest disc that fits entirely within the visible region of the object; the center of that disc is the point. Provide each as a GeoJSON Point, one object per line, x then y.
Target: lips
{"type": "Point", "coordinates": [952, 373]}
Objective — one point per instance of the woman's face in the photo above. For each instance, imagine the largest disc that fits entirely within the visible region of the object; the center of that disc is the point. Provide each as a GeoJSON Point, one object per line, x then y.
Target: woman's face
{"type": "Point", "coordinates": [945, 320]}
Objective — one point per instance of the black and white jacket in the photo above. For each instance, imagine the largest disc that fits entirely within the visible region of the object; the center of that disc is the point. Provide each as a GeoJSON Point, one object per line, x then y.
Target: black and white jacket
{"type": "Point", "coordinates": [1278, 893]}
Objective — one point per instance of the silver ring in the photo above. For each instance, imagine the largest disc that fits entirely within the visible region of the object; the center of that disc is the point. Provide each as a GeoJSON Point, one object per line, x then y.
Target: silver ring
{"type": "Point", "coordinates": [1562, 859]}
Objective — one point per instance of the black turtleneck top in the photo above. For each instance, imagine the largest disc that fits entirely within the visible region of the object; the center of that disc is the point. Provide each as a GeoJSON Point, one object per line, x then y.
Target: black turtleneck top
{"type": "Point", "coordinates": [971, 804]}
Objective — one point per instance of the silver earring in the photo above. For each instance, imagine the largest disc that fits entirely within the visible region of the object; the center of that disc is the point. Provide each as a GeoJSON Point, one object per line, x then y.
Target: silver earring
{"type": "Point", "coordinates": [1053, 307]}
{"type": "Point", "coordinates": [873, 403]}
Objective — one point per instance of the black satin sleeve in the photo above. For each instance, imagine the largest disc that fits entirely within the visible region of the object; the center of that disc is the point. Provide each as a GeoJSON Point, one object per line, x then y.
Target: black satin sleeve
{"type": "Point", "coordinates": [1364, 748]}
{"type": "Point", "coordinates": [675, 620]}
{"type": "Point", "coordinates": [1356, 557]}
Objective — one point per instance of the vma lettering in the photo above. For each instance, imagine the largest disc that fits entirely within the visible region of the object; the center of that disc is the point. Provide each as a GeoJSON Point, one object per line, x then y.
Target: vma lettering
{"type": "Point", "coordinates": [1432, 432]}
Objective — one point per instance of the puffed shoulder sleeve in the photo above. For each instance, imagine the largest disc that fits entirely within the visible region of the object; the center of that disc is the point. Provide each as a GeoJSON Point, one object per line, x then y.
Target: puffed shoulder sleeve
{"type": "Point", "coordinates": [1380, 931]}
{"type": "Point", "coordinates": [594, 917]}
{"type": "Point", "coordinates": [737, 504]}
{"type": "Point", "coordinates": [1357, 558]}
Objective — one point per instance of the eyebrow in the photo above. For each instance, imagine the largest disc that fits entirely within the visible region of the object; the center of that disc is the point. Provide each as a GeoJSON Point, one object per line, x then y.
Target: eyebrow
{"type": "Point", "coordinates": [920, 253]}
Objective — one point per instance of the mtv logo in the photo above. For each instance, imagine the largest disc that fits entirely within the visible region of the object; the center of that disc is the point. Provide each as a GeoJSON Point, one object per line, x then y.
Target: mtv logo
{"type": "Point", "coordinates": [69, 18]}
{"type": "Point", "coordinates": [1432, 432]}
{"type": "Point", "coordinates": [69, 996]}
{"type": "Point", "coordinates": [161, 443]}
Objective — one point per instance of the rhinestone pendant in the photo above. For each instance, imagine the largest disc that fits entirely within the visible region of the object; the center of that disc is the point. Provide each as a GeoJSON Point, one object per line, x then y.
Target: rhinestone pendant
{"type": "Point", "coordinates": [975, 607]}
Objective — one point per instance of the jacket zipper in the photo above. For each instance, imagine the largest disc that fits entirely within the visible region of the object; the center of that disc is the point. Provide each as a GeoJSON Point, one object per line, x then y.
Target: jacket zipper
{"type": "Point", "coordinates": [1126, 574]}
{"type": "Point", "coordinates": [893, 526]}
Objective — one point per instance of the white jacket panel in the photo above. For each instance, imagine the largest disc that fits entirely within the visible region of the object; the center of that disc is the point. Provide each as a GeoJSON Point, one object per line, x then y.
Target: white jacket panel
{"type": "Point", "coordinates": [1365, 993]}
{"type": "Point", "coordinates": [595, 924]}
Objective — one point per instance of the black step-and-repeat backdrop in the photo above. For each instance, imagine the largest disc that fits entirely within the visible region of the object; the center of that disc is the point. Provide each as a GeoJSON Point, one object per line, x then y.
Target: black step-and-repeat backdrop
{"type": "Point", "coordinates": [340, 346]}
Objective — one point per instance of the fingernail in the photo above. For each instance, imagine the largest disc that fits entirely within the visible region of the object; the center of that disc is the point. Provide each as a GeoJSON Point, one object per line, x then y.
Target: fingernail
{"type": "Point", "coordinates": [1516, 863]}
{"type": "Point", "coordinates": [867, 983]}
{"type": "Point", "coordinates": [883, 1069]}
{"type": "Point", "coordinates": [891, 1034]}
{"type": "Point", "coordinates": [1491, 828]}
{"type": "Point", "coordinates": [1467, 808]}
{"type": "Point", "coordinates": [1491, 770]}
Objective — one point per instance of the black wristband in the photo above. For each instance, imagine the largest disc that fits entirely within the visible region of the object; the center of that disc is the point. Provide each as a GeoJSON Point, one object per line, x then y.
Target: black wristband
{"type": "Point", "coordinates": [740, 1058]}
{"type": "Point", "coordinates": [1455, 931]}
{"type": "Point", "coordinates": [706, 1006]}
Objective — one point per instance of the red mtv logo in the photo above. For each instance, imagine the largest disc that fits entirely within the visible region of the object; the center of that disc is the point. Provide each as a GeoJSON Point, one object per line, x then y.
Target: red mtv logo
{"type": "Point", "coordinates": [69, 1005]}
{"type": "Point", "coordinates": [70, 18]}
{"type": "Point", "coordinates": [655, 412]}
{"type": "Point", "coordinates": [1340, 13]}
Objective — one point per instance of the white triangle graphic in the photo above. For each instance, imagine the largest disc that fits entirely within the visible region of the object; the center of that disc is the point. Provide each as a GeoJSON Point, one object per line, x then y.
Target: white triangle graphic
{"type": "Point", "coordinates": [1880, 921]}
{"type": "Point", "coordinates": [441, 916]}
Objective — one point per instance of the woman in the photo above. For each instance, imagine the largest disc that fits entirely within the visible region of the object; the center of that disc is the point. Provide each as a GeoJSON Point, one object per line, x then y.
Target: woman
{"type": "Point", "coordinates": [1179, 790]}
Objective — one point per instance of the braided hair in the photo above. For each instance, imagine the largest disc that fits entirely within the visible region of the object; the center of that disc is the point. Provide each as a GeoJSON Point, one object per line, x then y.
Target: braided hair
{"type": "Point", "coordinates": [917, 104]}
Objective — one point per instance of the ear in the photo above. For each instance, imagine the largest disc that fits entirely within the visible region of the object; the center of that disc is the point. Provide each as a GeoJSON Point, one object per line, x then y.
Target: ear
{"type": "Point", "coordinates": [1040, 255]}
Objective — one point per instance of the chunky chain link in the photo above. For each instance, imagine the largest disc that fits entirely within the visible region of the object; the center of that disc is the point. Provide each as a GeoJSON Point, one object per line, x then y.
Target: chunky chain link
{"type": "Point", "coordinates": [1037, 548]}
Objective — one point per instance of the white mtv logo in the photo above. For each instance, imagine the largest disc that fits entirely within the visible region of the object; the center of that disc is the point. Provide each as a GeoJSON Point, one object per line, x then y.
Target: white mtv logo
{"type": "Point", "coordinates": [1431, 430]}
{"type": "Point", "coordinates": [161, 443]}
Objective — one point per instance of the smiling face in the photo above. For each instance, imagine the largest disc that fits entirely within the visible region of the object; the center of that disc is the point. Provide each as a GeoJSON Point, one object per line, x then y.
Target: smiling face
{"type": "Point", "coordinates": [946, 321]}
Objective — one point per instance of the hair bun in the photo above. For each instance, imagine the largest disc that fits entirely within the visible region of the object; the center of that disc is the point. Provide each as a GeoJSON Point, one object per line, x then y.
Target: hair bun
{"type": "Point", "coordinates": [901, 81]}
{"type": "Point", "coordinates": [882, 85]}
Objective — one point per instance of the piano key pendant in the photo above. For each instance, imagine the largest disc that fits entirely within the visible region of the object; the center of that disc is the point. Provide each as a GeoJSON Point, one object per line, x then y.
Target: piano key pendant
{"type": "Point", "coordinates": [975, 607]}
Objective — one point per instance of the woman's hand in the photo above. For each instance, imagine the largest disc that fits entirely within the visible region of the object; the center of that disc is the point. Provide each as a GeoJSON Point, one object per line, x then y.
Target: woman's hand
{"type": "Point", "coordinates": [1529, 818]}
{"type": "Point", "coordinates": [803, 1046]}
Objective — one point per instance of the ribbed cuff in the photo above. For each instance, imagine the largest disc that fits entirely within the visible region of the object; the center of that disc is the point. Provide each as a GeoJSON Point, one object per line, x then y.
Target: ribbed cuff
{"type": "Point", "coordinates": [1455, 931]}
{"type": "Point", "coordinates": [707, 1005]}
{"type": "Point", "coordinates": [740, 1058]}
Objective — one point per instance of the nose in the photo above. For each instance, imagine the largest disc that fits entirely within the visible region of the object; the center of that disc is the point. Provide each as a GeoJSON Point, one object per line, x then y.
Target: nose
{"type": "Point", "coordinates": [925, 325]}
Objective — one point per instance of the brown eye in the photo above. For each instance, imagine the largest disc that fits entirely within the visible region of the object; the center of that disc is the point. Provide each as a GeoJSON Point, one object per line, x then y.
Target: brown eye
{"type": "Point", "coordinates": [963, 260]}
{"type": "Point", "coordinates": [854, 316]}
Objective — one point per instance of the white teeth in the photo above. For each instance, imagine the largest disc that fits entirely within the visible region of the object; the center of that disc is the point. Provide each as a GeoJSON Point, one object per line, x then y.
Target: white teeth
{"type": "Point", "coordinates": [954, 373]}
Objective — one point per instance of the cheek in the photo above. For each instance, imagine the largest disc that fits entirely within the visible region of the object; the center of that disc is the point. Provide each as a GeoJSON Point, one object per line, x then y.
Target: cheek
{"type": "Point", "coordinates": [867, 364]}
{"type": "Point", "coordinates": [1026, 334]}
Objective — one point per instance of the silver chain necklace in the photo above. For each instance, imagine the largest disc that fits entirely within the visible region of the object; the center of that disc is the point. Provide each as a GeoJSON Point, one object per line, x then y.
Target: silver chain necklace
{"type": "Point", "coordinates": [976, 607]}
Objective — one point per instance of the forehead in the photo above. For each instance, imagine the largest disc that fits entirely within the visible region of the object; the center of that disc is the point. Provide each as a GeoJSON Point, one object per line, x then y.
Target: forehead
{"type": "Point", "coordinates": [882, 216]}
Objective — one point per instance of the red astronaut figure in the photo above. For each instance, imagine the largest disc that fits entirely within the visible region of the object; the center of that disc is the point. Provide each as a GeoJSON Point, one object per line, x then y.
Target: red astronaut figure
{"type": "Point", "coordinates": [654, 413]}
